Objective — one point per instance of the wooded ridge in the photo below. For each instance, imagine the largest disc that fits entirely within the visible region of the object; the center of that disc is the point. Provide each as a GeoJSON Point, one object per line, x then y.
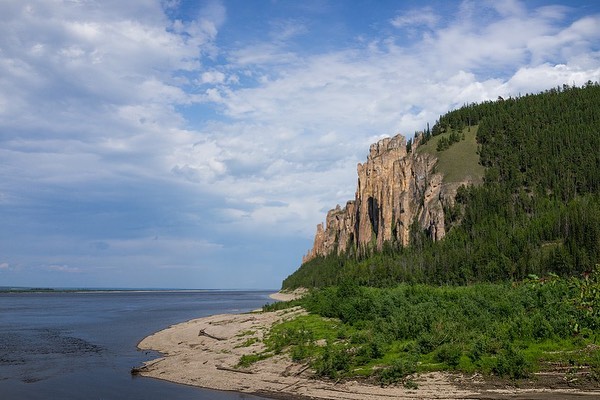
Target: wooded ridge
{"type": "Point", "coordinates": [536, 211]}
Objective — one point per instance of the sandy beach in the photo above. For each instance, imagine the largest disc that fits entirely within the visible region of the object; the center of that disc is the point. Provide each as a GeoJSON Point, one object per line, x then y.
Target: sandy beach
{"type": "Point", "coordinates": [205, 352]}
{"type": "Point", "coordinates": [288, 295]}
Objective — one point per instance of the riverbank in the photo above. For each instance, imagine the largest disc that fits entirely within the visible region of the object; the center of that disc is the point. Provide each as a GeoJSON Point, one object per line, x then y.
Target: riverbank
{"type": "Point", "coordinates": [288, 295]}
{"type": "Point", "coordinates": [206, 352]}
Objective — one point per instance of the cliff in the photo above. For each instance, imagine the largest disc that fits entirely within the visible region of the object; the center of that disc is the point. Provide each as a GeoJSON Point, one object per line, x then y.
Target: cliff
{"type": "Point", "coordinates": [395, 188]}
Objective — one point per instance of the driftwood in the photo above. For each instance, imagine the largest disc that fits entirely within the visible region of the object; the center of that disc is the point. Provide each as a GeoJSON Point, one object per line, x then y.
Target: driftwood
{"type": "Point", "coordinates": [229, 321]}
{"type": "Point", "coordinates": [302, 370]}
{"type": "Point", "coordinates": [288, 372]}
{"type": "Point", "coordinates": [203, 333]}
{"type": "Point", "coordinates": [144, 368]}
{"type": "Point", "coordinates": [241, 371]}
{"type": "Point", "coordinates": [137, 370]}
{"type": "Point", "coordinates": [289, 386]}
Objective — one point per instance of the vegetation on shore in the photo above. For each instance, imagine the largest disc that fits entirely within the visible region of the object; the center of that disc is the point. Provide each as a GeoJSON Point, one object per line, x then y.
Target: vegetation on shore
{"type": "Point", "coordinates": [474, 302]}
{"type": "Point", "coordinates": [506, 330]}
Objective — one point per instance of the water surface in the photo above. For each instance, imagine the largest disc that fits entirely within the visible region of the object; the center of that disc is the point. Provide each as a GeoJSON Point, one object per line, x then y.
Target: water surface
{"type": "Point", "coordinates": [83, 345]}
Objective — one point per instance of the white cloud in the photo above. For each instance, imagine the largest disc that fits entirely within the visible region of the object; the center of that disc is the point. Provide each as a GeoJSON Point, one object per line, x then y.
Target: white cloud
{"type": "Point", "coordinates": [200, 162]}
{"type": "Point", "coordinates": [508, 8]}
{"type": "Point", "coordinates": [90, 81]}
{"type": "Point", "coordinates": [547, 76]}
{"type": "Point", "coordinates": [101, 102]}
{"type": "Point", "coordinates": [283, 125]}
{"type": "Point", "coordinates": [285, 29]}
{"type": "Point", "coordinates": [417, 17]}
{"type": "Point", "coordinates": [212, 77]}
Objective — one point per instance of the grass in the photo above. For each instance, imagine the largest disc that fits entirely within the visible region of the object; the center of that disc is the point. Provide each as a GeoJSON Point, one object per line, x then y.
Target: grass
{"type": "Point", "coordinates": [247, 343]}
{"type": "Point", "coordinates": [460, 162]}
{"type": "Point", "coordinates": [246, 333]}
{"type": "Point", "coordinates": [304, 336]}
{"type": "Point", "coordinates": [248, 359]}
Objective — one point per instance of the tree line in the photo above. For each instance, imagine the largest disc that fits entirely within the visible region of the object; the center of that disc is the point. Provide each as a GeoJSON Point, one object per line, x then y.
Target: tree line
{"type": "Point", "coordinates": [537, 211]}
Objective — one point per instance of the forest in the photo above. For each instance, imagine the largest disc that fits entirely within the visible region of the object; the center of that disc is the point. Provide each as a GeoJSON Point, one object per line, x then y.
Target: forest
{"type": "Point", "coordinates": [514, 287]}
{"type": "Point", "coordinates": [537, 211]}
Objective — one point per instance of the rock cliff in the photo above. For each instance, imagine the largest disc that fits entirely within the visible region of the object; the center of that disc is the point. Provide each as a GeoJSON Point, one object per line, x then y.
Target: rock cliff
{"type": "Point", "coordinates": [395, 188]}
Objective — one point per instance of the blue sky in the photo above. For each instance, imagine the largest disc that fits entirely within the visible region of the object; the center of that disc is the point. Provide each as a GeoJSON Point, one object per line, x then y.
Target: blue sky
{"type": "Point", "coordinates": [196, 144]}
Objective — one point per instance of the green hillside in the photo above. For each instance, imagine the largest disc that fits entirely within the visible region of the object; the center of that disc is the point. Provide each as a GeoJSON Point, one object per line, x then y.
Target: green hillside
{"type": "Point", "coordinates": [512, 289]}
{"type": "Point", "coordinates": [537, 211]}
{"type": "Point", "coordinates": [460, 162]}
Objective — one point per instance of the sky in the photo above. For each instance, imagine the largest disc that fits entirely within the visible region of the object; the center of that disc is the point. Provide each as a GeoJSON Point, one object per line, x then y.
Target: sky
{"type": "Point", "coordinates": [197, 144]}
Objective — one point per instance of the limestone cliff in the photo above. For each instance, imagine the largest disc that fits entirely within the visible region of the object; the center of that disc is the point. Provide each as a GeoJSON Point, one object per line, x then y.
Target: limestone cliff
{"type": "Point", "coordinates": [394, 189]}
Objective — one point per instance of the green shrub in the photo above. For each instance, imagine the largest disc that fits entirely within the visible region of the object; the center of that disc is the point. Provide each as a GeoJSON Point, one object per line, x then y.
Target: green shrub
{"type": "Point", "coordinates": [333, 362]}
{"type": "Point", "coordinates": [594, 362]}
{"type": "Point", "coordinates": [512, 363]}
{"type": "Point", "coordinates": [398, 370]}
{"type": "Point", "coordinates": [542, 329]}
{"type": "Point", "coordinates": [248, 359]}
{"type": "Point", "coordinates": [247, 343]}
{"type": "Point", "coordinates": [301, 352]}
{"type": "Point", "coordinates": [280, 305]}
{"type": "Point", "coordinates": [449, 354]}
{"type": "Point", "coordinates": [503, 329]}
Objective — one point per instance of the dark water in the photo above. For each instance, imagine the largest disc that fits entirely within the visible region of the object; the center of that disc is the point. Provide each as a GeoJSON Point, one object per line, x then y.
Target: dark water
{"type": "Point", "coordinates": [83, 345]}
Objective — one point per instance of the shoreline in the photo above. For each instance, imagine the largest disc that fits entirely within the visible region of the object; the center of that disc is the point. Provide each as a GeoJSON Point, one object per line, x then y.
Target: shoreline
{"type": "Point", "coordinates": [287, 295]}
{"type": "Point", "coordinates": [205, 352]}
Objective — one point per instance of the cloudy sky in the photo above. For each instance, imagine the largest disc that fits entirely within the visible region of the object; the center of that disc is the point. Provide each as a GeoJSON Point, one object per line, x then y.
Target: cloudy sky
{"type": "Point", "coordinates": [196, 144]}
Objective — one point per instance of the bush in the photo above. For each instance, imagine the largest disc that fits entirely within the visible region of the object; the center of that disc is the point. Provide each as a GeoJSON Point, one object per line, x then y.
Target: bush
{"type": "Point", "coordinates": [334, 361]}
{"type": "Point", "coordinates": [280, 305]}
{"type": "Point", "coordinates": [491, 328]}
{"type": "Point", "coordinates": [300, 352]}
{"type": "Point", "coordinates": [449, 354]}
{"type": "Point", "coordinates": [398, 371]}
{"type": "Point", "coordinates": [512, 363]}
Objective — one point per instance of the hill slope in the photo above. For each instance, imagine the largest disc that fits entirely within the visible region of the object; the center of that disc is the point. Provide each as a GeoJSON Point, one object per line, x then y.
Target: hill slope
{"type": "Point", "coordinates": [460, 162]}
{"type": "Point", "coordinates": [537, 211]}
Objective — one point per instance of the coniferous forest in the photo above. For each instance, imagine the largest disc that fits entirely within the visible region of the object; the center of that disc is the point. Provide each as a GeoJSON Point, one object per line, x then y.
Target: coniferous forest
{"type": "Point", "coordinates": [537, 211]}
{"type": "Point", "coordinates": [511, 290]}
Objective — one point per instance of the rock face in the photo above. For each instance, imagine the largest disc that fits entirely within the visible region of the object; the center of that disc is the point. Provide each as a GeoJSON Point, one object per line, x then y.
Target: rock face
{"type": "Point", "coordinates": [394, 189]}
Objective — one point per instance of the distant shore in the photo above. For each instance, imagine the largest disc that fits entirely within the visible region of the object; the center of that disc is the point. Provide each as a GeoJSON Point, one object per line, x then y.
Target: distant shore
{"type": "Point", "coordinates": [19, 290]}
{"type": "Point", "coordinates": [205, 352]}
{"type": "Point", "coordinates": [288, 295]}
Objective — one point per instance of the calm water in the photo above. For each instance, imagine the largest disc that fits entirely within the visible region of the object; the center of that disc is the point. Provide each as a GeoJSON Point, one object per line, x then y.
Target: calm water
{"type": "Point", "coordinates": [83, 345]}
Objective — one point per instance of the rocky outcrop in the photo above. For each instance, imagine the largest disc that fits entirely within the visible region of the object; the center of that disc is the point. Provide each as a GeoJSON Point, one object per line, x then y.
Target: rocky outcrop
{"type": "Point", "coordinates": [394, 189]}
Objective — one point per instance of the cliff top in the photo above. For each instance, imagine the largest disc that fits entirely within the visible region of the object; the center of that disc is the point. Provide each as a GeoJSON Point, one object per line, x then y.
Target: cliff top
{"type": "Point", "coordinates": [383, 146]}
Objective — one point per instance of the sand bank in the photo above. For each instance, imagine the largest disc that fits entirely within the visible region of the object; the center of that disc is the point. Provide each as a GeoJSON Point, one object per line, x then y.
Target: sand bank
{"type": "Point", "coordinates": [284, 295]}
{"type": "Point", "coordinates": [205, 352]}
